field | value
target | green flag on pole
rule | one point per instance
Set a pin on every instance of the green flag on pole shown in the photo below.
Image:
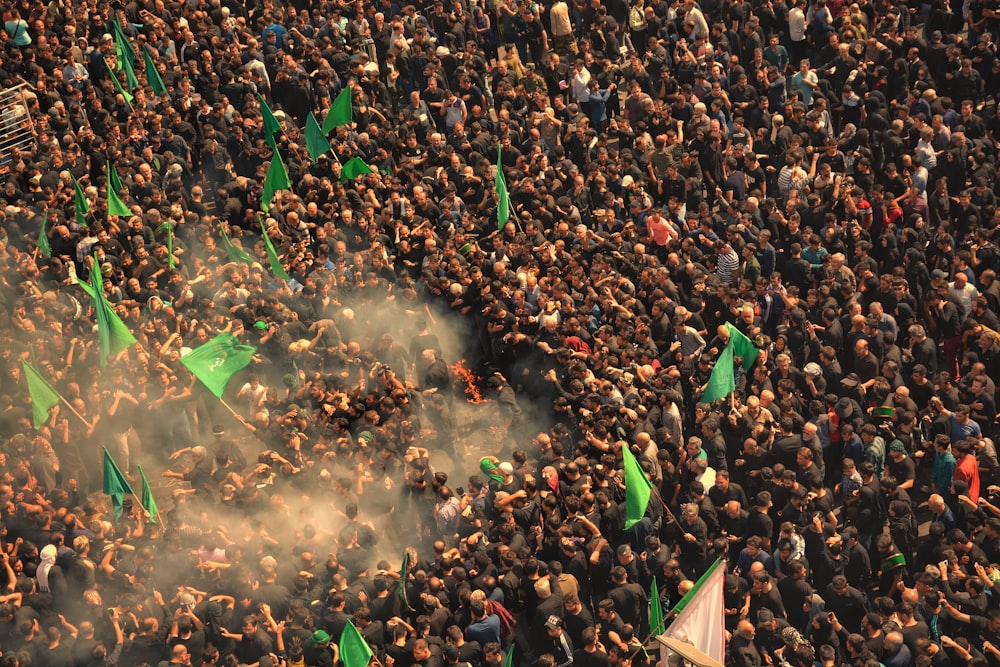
(236, 254)
(43, 396)
(115, 204)
(340, 112)
(404, 570)
(80, 204)
(123, 47)
(148, 502)
(742, 347)
(272, 255)
(153, 77)
(131, 80)
(722, 380)
(113, 335)
(316, 141)
(43, 240)
(354, 650)
(655, 608)
(115, 484)
(353, 168)
(277, 179)
(637, 488)
(118, 84)
(271, 124)
(503, 197)
(217, 361)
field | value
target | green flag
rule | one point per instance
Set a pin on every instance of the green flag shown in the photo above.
(131, 80)
(43, 240)
(340, 112)
(509, 660)
(743, 347)
(171, 262)
(637, 488)
(118, 84)
(236, 254)
(404, 570)
(115, 204)
(148, 502)
(354, 650)
(503, 197)
(271, 124)
(218, 360)
(80, 204)
(722, 381)
(43, 396)
(353, 168)
(153, 77)
(655, 609)
(112, 333)
(123, 47)
(277, 179)
(115, 484)
(316, 141)
(272, 255)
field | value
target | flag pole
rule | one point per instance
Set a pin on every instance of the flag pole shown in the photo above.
(73, 410)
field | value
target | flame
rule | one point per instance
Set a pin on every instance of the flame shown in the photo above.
(462, 372)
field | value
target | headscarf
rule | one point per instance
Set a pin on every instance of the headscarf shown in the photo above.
(48, 554)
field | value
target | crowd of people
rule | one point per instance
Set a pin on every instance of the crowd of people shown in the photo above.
(452, 374)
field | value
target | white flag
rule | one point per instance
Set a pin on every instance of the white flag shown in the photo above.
(701, 615)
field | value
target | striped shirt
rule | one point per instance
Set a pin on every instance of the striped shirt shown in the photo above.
(727, 265)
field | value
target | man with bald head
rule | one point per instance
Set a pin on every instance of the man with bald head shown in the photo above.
(742, 647)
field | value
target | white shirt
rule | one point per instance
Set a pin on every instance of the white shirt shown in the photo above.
(796, 24)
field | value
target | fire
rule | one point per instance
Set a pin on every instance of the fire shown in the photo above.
(462, 372)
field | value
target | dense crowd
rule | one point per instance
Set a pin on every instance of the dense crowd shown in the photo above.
(435, 382)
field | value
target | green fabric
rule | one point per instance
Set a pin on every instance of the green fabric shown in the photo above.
(404, 570)
(271, 124)
(509, 660)
(123, 47)
(722, 380)
(272, 256)
(118, 85)
(637, 488)
(339, 113)
(112, 334)
(354, 650)
(316, 141)
(489, 469)
(148, 502)
(655, 609)
(80, 204)
(114, 185)
(353, 168)
(277, 179)
(131, 80)
(742, 347)
(236, 254)
(679, 607)
(153, 77)
(43, 240)
(503, 197)
(43, 396)
(893, 562)
(115, 484)
(217, 361)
